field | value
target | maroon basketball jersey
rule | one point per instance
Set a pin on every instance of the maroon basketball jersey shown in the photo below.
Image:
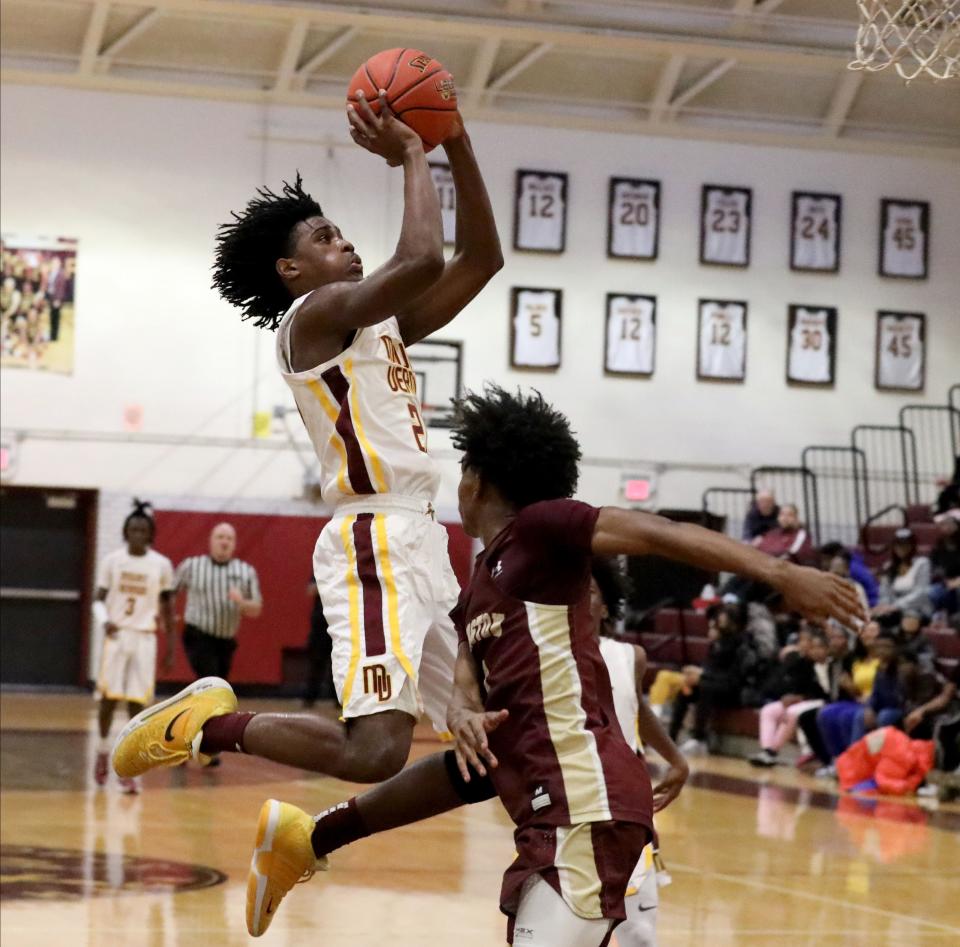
(525, 615)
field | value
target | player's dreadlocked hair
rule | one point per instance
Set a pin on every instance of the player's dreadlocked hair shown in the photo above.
(518, 443)
(140, 511)
(612, 583)
(244, 271)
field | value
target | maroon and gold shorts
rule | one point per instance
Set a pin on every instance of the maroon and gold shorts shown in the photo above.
(589, 865)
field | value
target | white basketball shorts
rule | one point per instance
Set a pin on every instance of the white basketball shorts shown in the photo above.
(128, 666)
(387, 588)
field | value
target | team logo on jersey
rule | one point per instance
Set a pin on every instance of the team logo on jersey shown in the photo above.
(420, 63)
(487, 625)
(376, 680)
(35, 873)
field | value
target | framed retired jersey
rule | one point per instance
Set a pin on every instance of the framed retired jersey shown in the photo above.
(815, 232)
(901, 351)
(811, 345)
(904, 238)
(722, 340)
(725, 225)
(631, 335)
(535, 336)
(540, 211)
(443, 181)
(633, 219)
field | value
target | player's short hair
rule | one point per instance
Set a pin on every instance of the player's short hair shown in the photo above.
(244, 270)
(141, 511)
(518, 443)
(612, 583)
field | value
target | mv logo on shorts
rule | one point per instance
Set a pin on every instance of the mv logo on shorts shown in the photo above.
(376, 680)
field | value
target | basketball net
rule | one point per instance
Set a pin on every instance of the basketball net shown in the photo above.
(914, 36)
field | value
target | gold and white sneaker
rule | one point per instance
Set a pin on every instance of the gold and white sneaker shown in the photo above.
(169, 733)
(282, 857)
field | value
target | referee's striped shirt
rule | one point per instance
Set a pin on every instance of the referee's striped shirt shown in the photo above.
(208, 585)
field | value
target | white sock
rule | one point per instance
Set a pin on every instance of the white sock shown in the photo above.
(104, 745)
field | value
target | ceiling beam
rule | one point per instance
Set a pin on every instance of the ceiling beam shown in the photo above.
(844, 95)
(323, 54)
(93, 37)
(520, 66)
(666, 86)
(480, 72)
(291, 54)
(695, 88)
(138, 28)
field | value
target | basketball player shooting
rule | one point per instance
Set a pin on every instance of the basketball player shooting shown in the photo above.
(538, 726)
(381, 563)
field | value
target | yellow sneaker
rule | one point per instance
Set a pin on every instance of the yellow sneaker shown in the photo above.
(169, 733)
(283, 856)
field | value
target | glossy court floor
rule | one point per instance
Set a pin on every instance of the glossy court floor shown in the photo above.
(771, 858)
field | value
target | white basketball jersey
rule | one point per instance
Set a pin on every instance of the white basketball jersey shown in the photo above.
(633, 220)
(540, 212)
(815, 224)
(536, 330)
(900, 351)
(904, 240)
(133, 585)
(631, 335)
(443, 181)
(723, 340)
(620, 659)
(810, 346)
(362, 412)
(726, 227)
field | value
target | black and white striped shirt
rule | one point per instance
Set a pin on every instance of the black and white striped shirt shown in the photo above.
(208, 585)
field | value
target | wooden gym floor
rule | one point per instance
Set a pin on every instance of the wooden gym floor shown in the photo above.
(768, 858)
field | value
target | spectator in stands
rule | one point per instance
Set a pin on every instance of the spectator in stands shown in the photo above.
(800, 683)
(858, 569)
(788, 539)
(840, 686)
(949, 497)
(904, 580)
(913, 643)
(843, 723)
(946, 730)
(730, 663)
(925, 695)
(945, 565)
(761, 517)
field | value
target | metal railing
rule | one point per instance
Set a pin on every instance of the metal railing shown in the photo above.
(842, 489)
(936, 431)
(890, 453)
(730, 503)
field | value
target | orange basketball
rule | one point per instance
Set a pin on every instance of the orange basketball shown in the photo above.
(419, 91)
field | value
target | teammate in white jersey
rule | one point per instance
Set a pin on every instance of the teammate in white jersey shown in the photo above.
(381, 563)
(134, 584)
(626, 664)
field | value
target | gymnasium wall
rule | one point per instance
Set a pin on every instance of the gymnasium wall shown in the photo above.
(143, 182)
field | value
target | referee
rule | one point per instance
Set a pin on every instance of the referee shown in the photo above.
(220, 591)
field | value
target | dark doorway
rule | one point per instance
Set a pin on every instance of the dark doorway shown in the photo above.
(47, 540)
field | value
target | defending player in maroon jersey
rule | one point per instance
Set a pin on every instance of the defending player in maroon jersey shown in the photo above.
(531, 701)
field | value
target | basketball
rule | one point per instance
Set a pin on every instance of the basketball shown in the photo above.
(419, 90)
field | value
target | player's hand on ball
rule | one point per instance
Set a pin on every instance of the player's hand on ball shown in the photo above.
(819, 596)
(470, 729)
(381, 134)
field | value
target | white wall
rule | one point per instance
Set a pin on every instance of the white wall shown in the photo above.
(143, 183)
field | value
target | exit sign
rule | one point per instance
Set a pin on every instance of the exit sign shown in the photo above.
(639, 488)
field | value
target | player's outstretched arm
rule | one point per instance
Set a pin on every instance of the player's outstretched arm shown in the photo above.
(816, 595)
(476, 255)
(417, 261)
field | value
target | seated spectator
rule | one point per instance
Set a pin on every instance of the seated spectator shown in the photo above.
(949, 496)
(904, 580)
(840, 686)
(788, 539)
(913, 643)
(859, 571)
(926, 695)
(945, 565)
(761, 517)
(799, 684)
(843, 723)
(730, 662)
(946, 730)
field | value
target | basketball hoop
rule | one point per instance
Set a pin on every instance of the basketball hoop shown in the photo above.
(914, 36)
